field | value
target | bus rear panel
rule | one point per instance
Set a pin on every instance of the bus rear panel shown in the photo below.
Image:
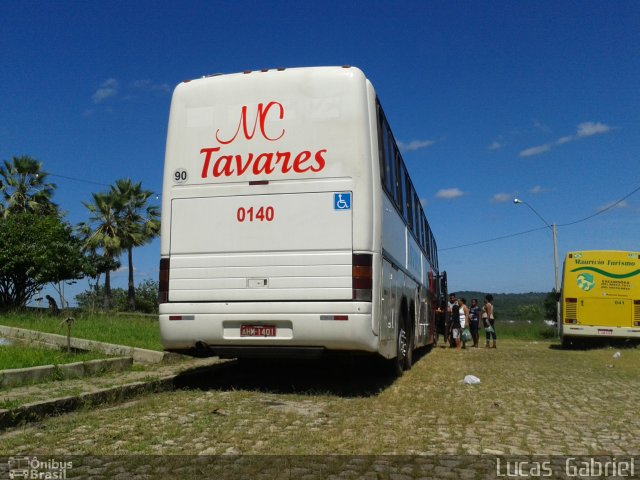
(601, 295)
(280, 233)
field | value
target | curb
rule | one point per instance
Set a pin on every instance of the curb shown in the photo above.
(139, 355)
(17, 376)
(32, 412)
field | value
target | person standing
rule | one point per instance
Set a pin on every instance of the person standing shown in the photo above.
(474, 321)
(450, 317)
(463, 313)
(53, 306)
(455, 329)
(489, 326)
(441, 322)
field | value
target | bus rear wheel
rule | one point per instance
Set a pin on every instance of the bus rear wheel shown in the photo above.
(404, 355)
(408, 358)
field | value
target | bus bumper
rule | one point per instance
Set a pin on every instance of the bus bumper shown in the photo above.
(307, 329)
(569, 330)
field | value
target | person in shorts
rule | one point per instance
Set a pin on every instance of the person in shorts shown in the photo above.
(489, 321)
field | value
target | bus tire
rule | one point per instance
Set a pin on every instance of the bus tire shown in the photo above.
(408, 358)
(399, 363)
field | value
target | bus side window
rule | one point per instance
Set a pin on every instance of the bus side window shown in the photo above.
(389, 160)
(417, 214)
(406, 195)
(381, 147)
(398, 174)
(423, 230)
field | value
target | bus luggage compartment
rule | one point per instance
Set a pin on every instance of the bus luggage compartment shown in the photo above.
(260, 248)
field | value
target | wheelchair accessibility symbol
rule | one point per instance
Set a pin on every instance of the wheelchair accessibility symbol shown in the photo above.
(342, 201)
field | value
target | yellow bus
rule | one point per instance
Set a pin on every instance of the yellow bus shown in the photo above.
(600, 295)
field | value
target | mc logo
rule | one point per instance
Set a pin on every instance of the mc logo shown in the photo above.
(261, 117)
(218, 163)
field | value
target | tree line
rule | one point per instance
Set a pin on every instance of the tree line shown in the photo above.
(39, 247)
(536, 306)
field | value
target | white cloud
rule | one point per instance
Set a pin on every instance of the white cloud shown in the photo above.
(538, 189)
(622, 204)
(149, 85)
(449, 193)
(502, 198)
(495, 146)
(424, 202)
(587, 129)
(415, 145)
(530, 152)
(108, 89)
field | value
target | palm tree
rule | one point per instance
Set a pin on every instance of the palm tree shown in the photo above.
(138, 223)
(101, 232)
(25, 188)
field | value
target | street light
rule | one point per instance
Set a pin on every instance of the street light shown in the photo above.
(552, 227)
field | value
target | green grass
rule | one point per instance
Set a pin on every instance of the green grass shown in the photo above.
(134, 331)
(534, 398)
(23, 356)
(522, 330)
(143, 331)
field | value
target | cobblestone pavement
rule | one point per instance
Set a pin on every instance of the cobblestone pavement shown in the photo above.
(533, 399)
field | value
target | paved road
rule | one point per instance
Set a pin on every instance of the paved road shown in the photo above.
(533, 398)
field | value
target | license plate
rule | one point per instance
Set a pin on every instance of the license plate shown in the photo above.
(605, 332)
(257, 330)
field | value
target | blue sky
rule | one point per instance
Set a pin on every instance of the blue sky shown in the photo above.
(490, 100)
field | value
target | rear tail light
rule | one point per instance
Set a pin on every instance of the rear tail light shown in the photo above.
(334, 317)
(362, 275)
(163, 288)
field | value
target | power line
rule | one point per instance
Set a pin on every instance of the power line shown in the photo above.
(77, 179)
(493, 239)
(599, 212)
(82, 180)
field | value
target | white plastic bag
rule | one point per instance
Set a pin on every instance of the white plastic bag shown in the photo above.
(471, 380)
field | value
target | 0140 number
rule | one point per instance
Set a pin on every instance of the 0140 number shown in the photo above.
(262, 214)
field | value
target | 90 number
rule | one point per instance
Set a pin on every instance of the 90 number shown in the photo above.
(180, 175)
(262, 214)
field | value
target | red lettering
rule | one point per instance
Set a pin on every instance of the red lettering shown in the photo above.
(266, 167)
(263, 214)
(207, 159)
(265, 163)
(261, 118)
(243, 168)
(223, 166)
(319, 160)
(287, 157)
(302, 157)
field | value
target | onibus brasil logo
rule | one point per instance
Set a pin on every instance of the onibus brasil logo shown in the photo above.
(585, 281)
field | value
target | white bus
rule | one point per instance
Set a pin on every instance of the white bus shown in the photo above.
(289, 223)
